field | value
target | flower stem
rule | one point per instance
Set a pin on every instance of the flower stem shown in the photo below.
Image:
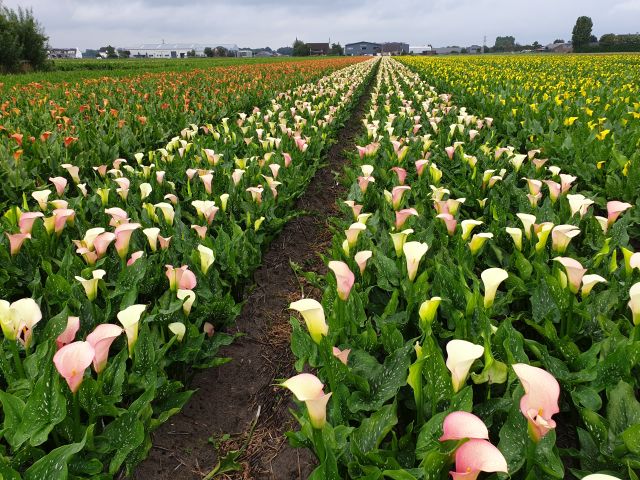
(16, 358)
(76, 417)
(318, 443)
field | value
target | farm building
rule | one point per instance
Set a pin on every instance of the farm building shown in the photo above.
(319, 48)
(395, 48)
(566, 47)
(422, 50)
(174, 50)
(244, 53)
(362, 48)
(474, 49)
(65, 53)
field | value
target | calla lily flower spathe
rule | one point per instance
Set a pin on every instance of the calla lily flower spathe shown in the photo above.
(460, 356)
(634, 303)
(307, 388)
(574, 270)
(344, 278)
(492, 278)
(188, 297)
(399, 240)
(361, 259)
(178, 329)
(540, 401)
(130, 318)
(72, 360)
(477, 456)
(18, 319)
(614, 209)
(101, 339)
(313, 314)
(206, 258)
(342, 355)
(413, 252)
(69, 333)
(461, 425)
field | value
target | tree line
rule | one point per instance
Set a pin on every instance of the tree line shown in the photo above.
(23, 43)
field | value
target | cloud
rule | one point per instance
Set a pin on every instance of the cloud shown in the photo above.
(94, 23)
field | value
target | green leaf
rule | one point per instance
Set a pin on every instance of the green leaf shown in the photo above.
(53, 466)
(45, 408)
(631, 438)
(12, 407)
(623, 409)
(372, 430)
(513, 435)
(123, 435)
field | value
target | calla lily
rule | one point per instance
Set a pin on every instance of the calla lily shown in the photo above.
(460, 356)
(206, 181)
(180, 278)
(540, 401)
(344, 278)
(364, 217)
(256, 193)
(313, 314)
(399, 240)
(307, 388)
(588, 282)
(123, 237)
(477, 456)
(574, 270)
(72, 360)
(152, 236)
(599, 476)
(188, 297)
(467, 227)
(528, 221)
(542, 232)
(27, 219)
(614, 209)
(561, 235)
(361, 259)
(118, 216)
(403, 215)
(353, 232)
(206, 258)
(178, 329)
(516, 235)
(60, 183)
(208, 329)
(534, 185)
(449, 221)
(634, 303)
(604, 223)
(355, 208)
(397, 194)
(145, 190)
(101, 339)
(367, 170)
(401, 173)
(130, 318)
(566, 181)
(555, 189)
(461, 425)
(134, 257)
(579, 204)
(102, 242)
(91, 286)
(478, 241)
(420, 164)
(15, 242)
(342, 355)
(69, 333)
(428, 310)
(167, 211)
(42, 197)
(492, 278)
(414, 251)
(18, 319)
(224, 199)
(304, 386)
(61, 216)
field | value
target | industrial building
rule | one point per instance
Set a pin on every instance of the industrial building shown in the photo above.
(175, 50)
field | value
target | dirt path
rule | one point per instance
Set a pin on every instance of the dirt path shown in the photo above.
(228, 397)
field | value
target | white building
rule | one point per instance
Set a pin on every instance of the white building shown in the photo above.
(174, 50)
(421, 50)
(245, 53)
(65, 53)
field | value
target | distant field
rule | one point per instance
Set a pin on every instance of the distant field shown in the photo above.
(70, 70)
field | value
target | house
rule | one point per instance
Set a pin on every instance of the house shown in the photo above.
(447, 50)
(244, 53)
(422, 50)
(395, 48)
(64, 53)
(566, 47)
(474, 49)
(318, 48)
(264, 54)
(175, 50)
(362, 48)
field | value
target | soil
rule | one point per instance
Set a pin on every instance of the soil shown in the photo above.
(228, 397)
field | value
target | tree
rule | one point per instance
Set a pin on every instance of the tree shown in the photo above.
(581, 32)
(536, 44)
(220, 52)
(301, 49)
(593, 39)
(22, 39)
(208, 52)
(505, 44)
(191, 53)
(124, 53)
(558, 40)
(336, 49)
(285, 51)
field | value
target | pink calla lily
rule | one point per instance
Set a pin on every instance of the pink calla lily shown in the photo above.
(101, 339)
(15, 242)
(477, 456)
(461, 425)
(72, 360)
(27, 219)
(344, 278)
(614, 209)
(540, 401)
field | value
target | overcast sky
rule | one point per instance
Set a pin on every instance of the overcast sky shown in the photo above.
(275, 23)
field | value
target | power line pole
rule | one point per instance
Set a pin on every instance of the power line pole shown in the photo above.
(484, 43)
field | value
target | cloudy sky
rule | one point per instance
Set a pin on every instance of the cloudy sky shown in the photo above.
(275, 23)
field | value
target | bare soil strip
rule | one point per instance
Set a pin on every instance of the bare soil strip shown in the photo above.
(228, 397)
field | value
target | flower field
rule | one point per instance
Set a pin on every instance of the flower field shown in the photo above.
(119, 277)
(94, 120)
(481, 313)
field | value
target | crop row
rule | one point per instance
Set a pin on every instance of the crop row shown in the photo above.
(482, 313)
(93, 121)
(117, 279)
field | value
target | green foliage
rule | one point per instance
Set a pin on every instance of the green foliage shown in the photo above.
(23, 43)
(581, 32)
(301, 49)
